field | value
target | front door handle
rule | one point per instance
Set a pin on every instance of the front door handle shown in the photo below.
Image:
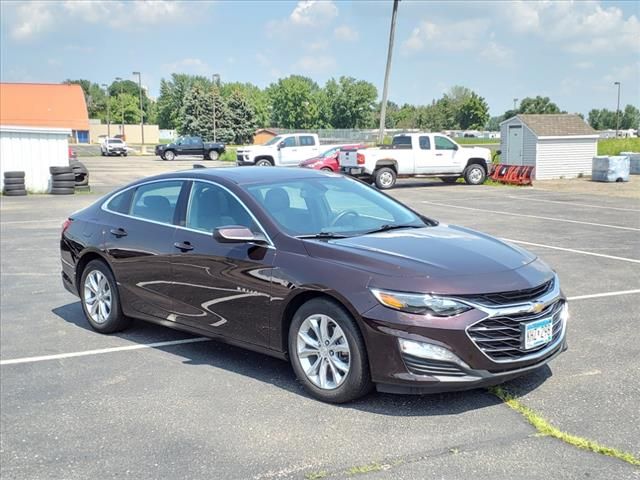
(438, 154)
(118, 232)
(183, 246)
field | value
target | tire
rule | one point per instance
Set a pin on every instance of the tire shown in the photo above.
(357, 380)
(9, 187)
(59, 170)
(169, 155)
(475, 174)
(263, 162)
(63, 184)
(63, 177)
(102, 153)
(213, 155)
(14, 174)
(125, 154)
(62, 191)
(326, 169)
(75, 165)
(449, 179)
(111, 319)
(385, 178)
(15, 193)
(14, 181)
(81, 180)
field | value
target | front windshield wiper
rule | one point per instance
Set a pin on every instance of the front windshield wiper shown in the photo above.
(322, 235)
(391, 226)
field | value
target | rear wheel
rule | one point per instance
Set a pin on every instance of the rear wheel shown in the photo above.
(475, 174)
(213, 155)
(385, 178)
(326, 169)
(100, 298)
(328, 353)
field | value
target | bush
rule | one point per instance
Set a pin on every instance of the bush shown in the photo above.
(613, 146)
(229, 155)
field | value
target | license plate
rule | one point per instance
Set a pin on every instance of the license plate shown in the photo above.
(355, 171)
(538, 333)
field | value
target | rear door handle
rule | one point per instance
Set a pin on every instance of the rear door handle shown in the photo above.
(184, 246)
(438, 154)
(118, 232)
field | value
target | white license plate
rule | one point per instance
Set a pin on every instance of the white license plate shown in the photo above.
(538, 333)
(355, 171)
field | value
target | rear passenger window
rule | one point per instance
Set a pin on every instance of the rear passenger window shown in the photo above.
(211, 206)
(121, 203)
(307, 141)
(425, 143)
(157, 201)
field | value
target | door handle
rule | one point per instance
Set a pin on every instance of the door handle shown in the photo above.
(184, 246)
(438, 154)
(118, 232)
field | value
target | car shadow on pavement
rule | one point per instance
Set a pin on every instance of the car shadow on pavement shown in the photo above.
(430, 184)
(278, 373)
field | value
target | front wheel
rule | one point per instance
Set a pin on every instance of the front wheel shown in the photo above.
(475, 174)
(213, 155)
(385, 178)
(169, 155)
(328, 353)
(264, 163)
(100, 298)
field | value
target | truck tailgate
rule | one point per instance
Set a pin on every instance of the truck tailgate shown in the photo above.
(348, 158)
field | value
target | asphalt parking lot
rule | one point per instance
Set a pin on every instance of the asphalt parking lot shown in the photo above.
(155, 403)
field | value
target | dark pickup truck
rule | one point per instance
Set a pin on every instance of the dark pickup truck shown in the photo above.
(190, 146)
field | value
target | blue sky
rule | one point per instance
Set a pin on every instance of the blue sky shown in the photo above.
(570, 51)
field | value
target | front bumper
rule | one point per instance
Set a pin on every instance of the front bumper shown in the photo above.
(116, 151)
(244, 163)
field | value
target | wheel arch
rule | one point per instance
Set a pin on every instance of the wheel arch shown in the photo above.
(478, 161)
(387, 162)
(83, 261)
(265, 157)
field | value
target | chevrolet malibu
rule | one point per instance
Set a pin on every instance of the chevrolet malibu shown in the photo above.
(355, 289)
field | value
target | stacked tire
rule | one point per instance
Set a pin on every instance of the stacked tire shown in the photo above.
(62, 181)
(14, 184)
(81, 176)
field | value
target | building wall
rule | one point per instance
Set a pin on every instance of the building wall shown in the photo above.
(565, 157)
(33, 151)
(528, 142)
(262, 137)
(132, 133)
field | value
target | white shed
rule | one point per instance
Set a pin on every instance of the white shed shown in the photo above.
(33, 150)
(557, 145)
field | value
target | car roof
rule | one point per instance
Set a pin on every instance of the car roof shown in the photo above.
(247, 175)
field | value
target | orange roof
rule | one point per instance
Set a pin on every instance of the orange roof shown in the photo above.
(43, 105)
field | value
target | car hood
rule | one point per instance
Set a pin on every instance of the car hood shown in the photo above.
(256, 149)
(480, 152)
(432, 252)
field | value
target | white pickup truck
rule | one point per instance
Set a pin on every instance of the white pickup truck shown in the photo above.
(286, 150)
(424, 154)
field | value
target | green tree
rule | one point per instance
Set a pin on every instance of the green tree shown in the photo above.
(257, 99)
(172, 96)
(197, 113)
(124, 106)
(473, 113)
(351, 102)
(630, 118)
(538, 105)
(295, 102)
(493, 124)
(602, 119)
(241, 117)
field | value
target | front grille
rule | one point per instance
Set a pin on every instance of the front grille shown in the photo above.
(240, 157)
(422, 366)
(513, 297)
(501, 338)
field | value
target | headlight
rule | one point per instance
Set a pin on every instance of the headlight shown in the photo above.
(420, 303)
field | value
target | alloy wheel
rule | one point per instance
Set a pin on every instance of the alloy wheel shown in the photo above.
(97, 296)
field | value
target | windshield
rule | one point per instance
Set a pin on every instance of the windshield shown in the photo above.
(115, 140)
(330, 152)
(273, 141)
(335, 205)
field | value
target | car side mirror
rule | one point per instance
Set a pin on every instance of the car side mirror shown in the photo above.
(499, 152)
(455, 147)
(280, 145)
(237, 234)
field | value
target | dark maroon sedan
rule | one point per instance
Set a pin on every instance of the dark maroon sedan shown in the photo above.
(328, 160)
(351, 286)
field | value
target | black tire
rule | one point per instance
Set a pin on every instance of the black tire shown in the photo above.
(326, 169)
(475, 174)
(59, 170)
(169, 155)
(358, 379)
(125, 154)
(102, 153)
(115, 321)
(63, 191)
(78, 167)
(15, 193)
(9, 187)
(63, 184)
(14, 174)
(14, 181)
(63, 177)
(385, 178)
(449, 179)
(81, 180)
(264, 162)
(213, 155)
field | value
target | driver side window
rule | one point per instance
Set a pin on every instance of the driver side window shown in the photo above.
(289, 142)
(443, 143)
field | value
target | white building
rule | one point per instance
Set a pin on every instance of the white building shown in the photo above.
(557, 145)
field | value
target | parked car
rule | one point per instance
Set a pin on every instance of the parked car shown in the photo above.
(281, 151)
(350, 285)
(328, 160)
(113, 146)
(191, 146)
(427, 154)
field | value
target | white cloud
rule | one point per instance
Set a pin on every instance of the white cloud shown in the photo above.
(188, 65)
(318, 46)
(316, 64)
(32, 19)
(313, 12)
(346, 33)
(453, 36)
(496, 53)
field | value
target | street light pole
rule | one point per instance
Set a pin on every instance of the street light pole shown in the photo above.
(617, 109)
(106, 87)
(118, 79)
(383, 107)
(515, 102)
(141, 111)
(216, 82)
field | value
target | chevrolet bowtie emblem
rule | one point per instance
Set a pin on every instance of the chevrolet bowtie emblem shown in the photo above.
(537, 307)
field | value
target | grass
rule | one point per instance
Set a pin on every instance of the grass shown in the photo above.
(545, 428)
(476, 141)
(229, 155)
(371, 467)
(613, 146)
(316, 475)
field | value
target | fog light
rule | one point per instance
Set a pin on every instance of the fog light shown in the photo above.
(564, 315)
(430, 351)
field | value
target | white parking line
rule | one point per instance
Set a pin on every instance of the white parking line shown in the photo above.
(553, 219)
(600, 295)
(519, 197)
(100, 351)
(572, 250)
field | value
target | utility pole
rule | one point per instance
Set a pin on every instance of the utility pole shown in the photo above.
(515, 102)
(106, 87)
(216, 83)
(141, 111)
(617, 109)
(118, 79)
(383, 106)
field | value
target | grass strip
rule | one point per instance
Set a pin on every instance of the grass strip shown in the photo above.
(545, 428)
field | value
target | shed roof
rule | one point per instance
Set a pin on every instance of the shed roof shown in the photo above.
(43, 105)
(557, 125)
(273, 131)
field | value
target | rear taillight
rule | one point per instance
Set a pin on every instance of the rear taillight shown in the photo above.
(360, 159)
(66, 224)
